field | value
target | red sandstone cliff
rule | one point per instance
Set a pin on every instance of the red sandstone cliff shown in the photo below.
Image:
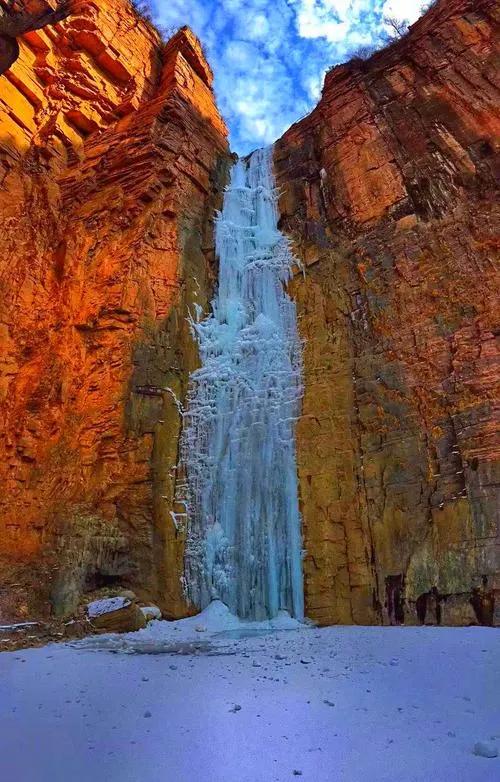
(18, 17)
(112, 159)
(389, 195)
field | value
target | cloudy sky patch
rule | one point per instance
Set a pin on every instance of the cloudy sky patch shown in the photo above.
(269, 57)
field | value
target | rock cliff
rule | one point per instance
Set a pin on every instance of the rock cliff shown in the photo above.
(112, 160)
(389, 196)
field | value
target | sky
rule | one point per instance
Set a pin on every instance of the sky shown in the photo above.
(269, 57)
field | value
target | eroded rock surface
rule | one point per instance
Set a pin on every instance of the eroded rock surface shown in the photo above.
(389, 196)
(113, 157)
(112, 160)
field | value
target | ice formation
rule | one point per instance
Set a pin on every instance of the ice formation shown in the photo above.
(238, 447)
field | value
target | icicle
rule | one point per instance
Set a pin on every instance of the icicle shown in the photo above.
(238, 445)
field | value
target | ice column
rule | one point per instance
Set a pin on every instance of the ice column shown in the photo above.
(238, 446)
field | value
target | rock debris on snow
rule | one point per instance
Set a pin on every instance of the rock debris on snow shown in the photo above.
(194, 736)
(486, 750)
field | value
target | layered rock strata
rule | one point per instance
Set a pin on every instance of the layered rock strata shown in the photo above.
(112, 160)
(389, 196)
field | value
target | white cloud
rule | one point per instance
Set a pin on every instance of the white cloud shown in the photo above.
(330, 19)
(404, 9)
(338, 20)
(269, 57)
(322, 19)
(259, 26)
(241, 54)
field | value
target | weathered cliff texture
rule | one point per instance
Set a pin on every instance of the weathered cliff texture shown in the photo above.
(388, 194)
(23, 16)
(112, 160)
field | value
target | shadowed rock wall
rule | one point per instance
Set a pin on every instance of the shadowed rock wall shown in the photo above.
(389, 196)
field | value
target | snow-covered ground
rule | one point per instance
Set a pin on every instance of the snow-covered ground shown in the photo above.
(209, 702)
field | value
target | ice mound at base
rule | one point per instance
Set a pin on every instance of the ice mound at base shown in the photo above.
(215, 620)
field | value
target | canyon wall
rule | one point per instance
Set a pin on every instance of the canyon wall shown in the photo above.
(388, 193)
(113, 157)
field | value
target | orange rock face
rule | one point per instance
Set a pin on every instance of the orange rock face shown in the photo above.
(389, 195)
(112, 160)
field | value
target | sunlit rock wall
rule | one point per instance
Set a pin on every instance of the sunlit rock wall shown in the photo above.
(388, 194)
(113, 157)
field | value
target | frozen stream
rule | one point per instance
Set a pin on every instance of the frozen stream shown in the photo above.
(341, 704)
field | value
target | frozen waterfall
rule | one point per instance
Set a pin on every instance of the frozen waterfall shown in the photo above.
(238, 446)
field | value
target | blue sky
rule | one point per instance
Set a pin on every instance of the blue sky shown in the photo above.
(269, 57)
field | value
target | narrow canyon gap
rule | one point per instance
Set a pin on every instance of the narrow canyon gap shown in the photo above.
(238, 446)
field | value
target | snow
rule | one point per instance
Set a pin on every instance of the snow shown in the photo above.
(214, 620)
(18, 626)
(106, 606)
(238, 445)
(151, 612)
(371, 704)
(485, 749)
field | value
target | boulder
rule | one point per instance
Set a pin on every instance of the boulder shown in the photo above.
(128, 594)
(116, 615)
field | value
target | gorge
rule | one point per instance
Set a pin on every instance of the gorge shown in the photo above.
(113, 161)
